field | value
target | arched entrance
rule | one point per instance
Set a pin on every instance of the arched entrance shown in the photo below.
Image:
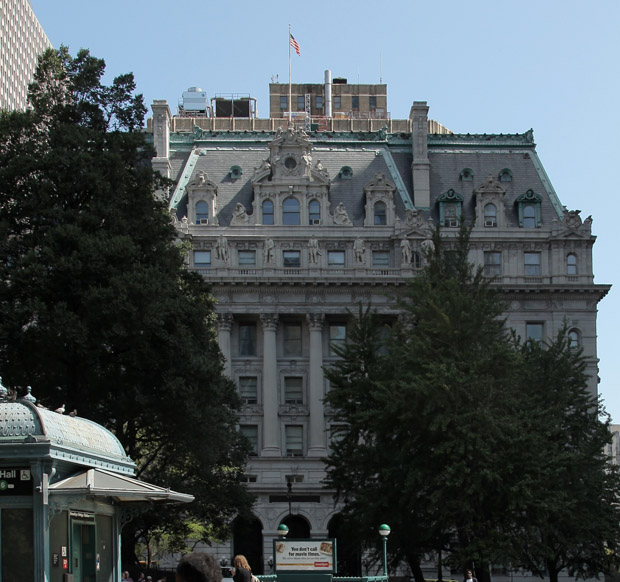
(298, 527)
(248, 540)
(348, 549)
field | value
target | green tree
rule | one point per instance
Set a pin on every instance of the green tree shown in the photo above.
(96, 309)
(571, 518)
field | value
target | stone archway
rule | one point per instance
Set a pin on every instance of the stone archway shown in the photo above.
(348, 550)
(248, 540)
(298, 527)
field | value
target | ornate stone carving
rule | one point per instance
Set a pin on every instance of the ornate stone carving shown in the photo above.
(571, 219)
(221, 248)
(315, 321)
(359, 250)
(269, 321)
(224, 321)
(405, 249)
(268, 251)
(240, 216)
(313, 250)
(341, 217)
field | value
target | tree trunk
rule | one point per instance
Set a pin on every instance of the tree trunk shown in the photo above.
(414, 563)
(553, 572)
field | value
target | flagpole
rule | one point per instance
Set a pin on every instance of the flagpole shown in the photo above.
(289, 77)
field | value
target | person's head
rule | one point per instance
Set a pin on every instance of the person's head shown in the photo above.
(469, 574)
(239, 561)
(198, 567)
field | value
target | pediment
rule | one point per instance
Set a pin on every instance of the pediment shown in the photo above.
(202, 182)
(490, 185)
(379, 183)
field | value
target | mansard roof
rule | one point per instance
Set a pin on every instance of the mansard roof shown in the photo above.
(369, 153)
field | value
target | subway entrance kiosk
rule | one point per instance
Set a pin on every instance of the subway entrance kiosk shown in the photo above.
(66, 489)
(304, 560)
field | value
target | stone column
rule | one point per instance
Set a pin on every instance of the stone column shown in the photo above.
(271, 424)
(317, 439)
(161, 137)
(224, 324)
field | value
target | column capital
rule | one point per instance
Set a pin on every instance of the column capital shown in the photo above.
(224, 321)
(269, 321)
(315, 321)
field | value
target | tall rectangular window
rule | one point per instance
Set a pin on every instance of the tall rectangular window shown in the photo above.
(335, 258)
(534, 331)
(492, 263)
(202, 259)
(337, 102)
(318, 102)
(355, 102)
(301, 103)
(372, 102)
(292, 339)
(291, 258)
(250, 432)
(247, 258)
(532, 264)
(283, 102)
(293, 390)
(248, 389)
(294, 436)
(380, 258)
(337, 337)
(247, 339)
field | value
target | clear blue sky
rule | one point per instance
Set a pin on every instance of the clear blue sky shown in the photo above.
(483, 66)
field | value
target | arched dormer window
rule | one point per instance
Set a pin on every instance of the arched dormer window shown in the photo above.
(505, 175)
(467, 175)
(314, 212)
(346, 173)
(574, 341)
(380, 213)
(571, 264)
(529, 209)
(202, 212)
(235, 172)
(267, 212)
(490, 216)
(290, 211)
(450, 205)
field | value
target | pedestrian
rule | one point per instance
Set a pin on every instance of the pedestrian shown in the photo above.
(469, 577)
(198, 567)
(243, 572)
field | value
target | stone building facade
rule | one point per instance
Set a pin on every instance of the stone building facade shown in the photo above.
(292, 230)
(22, 39)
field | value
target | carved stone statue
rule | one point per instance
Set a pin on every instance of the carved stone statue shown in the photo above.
(571, 218)
(428, 246)
(268, 251)
(313, 250)
(340, 215)
(359, 250)
(221, 248)
(240, 216)
(405, 249)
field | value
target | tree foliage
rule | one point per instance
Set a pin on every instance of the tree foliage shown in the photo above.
(461, 438)
(96, 310)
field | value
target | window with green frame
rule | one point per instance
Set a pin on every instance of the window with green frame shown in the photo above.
(529, 206)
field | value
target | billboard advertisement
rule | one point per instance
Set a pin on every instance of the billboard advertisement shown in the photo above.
(304, 555)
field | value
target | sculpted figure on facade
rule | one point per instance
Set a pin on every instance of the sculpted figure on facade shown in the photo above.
(221, 248)
(359, 250)
(268, 251)
(240, 216)
(313, 250)
(571, 219)
(340, 215)
(405, 249)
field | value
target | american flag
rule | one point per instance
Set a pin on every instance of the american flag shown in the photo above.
(294, 44)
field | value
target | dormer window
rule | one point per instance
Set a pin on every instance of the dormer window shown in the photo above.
(380, 213)
(467, 175)
(267, 212)
(505, 175)
(235, 172)
(450, 205)
(346, 173)
(202, 212)
(490, 216)
(290, 211)
(314, 212)
(529, 209)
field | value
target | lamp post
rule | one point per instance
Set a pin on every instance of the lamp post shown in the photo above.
(282, 530)
(384, 532)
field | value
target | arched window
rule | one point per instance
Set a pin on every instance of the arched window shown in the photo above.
(416, 260)
(529, 216)
(290, 211)
(380, 211)
(267, 212)
(202, 212)
(490, 216)
(314, 212)
(573, 339)
(571, 264)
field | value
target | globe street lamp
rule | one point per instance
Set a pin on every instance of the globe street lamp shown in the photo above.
(283, 530)
(384, 532)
